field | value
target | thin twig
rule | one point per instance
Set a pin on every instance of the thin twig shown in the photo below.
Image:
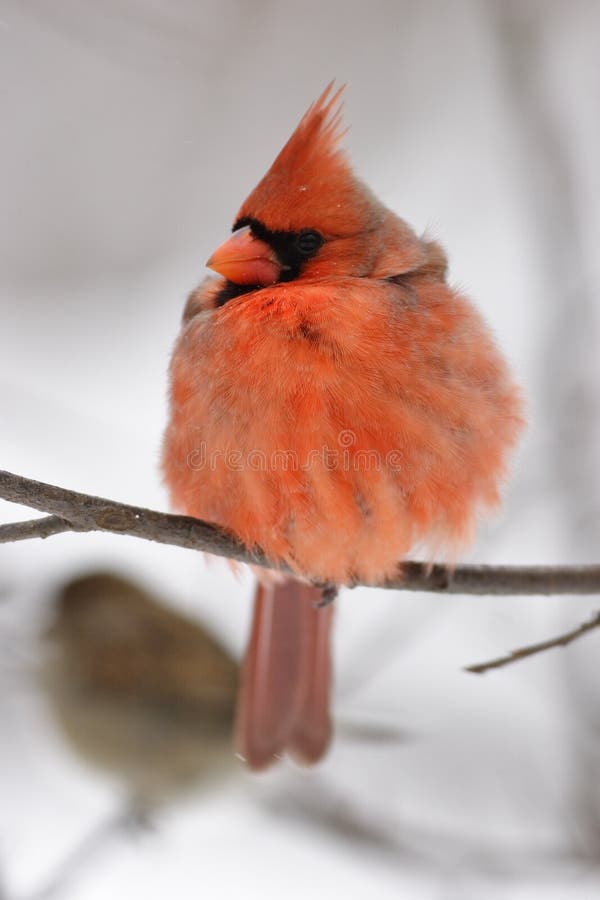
(42, 528)
(84, 512)
(522, 653)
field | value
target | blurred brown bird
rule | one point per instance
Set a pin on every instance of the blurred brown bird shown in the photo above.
(138, 689)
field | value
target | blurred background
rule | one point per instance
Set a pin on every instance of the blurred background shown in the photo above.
(132, 130)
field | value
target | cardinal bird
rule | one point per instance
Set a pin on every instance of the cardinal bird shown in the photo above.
(335, 403)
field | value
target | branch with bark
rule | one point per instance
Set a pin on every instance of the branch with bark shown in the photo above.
(70, 511)
(563, 640)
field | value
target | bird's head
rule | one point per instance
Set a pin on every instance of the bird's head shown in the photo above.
(311, 218)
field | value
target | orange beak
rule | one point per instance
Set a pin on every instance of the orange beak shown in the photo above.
(244, 259)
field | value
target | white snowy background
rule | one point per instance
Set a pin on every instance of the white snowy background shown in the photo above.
(131, 131)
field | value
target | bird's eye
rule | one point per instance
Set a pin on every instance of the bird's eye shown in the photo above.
(308, 242)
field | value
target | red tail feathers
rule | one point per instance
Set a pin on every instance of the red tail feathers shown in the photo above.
(283, 705)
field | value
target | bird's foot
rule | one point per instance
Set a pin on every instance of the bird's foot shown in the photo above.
(328, 594)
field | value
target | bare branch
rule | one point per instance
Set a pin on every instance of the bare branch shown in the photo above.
(561, 641)
(42, 528)
(88, 513)
(498, 580)
(70, 510)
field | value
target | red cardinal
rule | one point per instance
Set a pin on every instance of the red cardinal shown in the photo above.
(334, 402)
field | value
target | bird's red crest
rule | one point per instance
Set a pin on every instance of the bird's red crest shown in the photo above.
(317, 136)
(308, 173)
